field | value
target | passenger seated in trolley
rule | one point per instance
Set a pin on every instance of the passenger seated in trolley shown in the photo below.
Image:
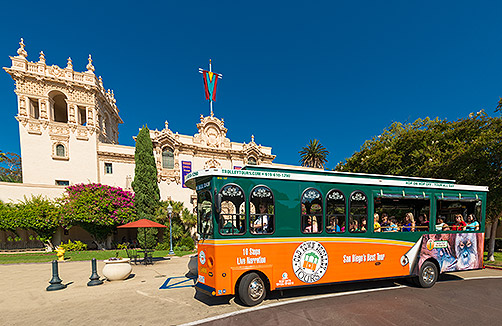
(441, 225)
(393, 227)
(385, 223)
(423, 223)
(376, 225)
(311, 225)
(229, 226)
(472, 225)
(333, 226)
(260, 224)
(410, 223)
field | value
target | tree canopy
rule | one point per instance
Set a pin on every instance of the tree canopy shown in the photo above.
(468, 150)
(314, 155)
(10, 167)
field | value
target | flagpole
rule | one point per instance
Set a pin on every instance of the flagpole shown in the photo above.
(218, 76)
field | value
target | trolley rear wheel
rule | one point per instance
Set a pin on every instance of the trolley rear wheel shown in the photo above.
(252, 289)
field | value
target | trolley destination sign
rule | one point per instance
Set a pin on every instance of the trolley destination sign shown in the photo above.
(333, 177)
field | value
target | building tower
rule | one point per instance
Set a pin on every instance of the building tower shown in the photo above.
(63, 115)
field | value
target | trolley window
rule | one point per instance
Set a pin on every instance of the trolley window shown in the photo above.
(262, 210)
(456, 214)
(358, 220)
(311, 214)
(232, 219)
(335, 211)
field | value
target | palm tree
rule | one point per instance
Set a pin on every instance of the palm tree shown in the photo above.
(314, 155)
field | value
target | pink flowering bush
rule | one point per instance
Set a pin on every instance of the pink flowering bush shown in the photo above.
(97, 208)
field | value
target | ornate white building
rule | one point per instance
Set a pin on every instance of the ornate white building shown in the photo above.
(68, 126)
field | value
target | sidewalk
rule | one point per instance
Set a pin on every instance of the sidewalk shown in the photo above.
(136, 301)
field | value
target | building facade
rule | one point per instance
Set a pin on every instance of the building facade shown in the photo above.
(68, 126)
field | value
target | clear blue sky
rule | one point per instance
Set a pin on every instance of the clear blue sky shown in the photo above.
(338, 71)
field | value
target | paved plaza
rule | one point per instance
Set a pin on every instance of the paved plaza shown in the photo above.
(139, 299)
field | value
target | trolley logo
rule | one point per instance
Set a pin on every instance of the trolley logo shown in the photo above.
(431, 244)
(310, 261)
(202, 257)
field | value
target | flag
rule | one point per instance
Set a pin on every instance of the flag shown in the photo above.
(210, 81)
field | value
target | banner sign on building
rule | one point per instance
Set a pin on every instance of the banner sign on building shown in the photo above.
(186, 168)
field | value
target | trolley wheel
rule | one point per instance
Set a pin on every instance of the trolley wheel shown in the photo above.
(252, 289)
(428, 274)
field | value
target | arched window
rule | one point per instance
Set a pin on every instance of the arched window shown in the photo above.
(262, 210)
(251, 161)
(311, 214)
(167, 158)
(335, 211)
(233, 210)
(60, 150)
(358, 220)
(59, 106)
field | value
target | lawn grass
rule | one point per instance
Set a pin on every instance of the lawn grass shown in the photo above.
(497, 262)
(40, 257)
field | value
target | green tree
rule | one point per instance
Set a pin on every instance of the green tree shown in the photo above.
(313, 155)
(468, 150)
(10, 167)
(146, 189)
(182, 220)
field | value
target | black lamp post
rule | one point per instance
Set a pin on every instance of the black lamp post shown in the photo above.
(170, 212)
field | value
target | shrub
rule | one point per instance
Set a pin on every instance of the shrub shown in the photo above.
(122, 246)
(97, 208)
(74, 246)
(187, 242)
(162, 246)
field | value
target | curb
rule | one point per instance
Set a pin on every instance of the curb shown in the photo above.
(493, 267)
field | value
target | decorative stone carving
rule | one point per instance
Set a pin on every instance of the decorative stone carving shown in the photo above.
(90, 67)
(34, 128)
(59, 129)
(212, 163)
(22, 106)
(21, 51)
(42, 57)
(71, 116)
(212, 133)
(69, 64)
(56, 71)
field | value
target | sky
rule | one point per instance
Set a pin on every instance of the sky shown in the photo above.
(336, 71)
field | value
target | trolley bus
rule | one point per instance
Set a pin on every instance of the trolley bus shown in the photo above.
(268, 228)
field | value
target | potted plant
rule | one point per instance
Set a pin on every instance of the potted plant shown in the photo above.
(117, 268)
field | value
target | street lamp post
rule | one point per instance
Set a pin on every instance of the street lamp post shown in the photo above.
(170, 212)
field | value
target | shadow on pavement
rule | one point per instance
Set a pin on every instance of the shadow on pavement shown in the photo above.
(302, 292)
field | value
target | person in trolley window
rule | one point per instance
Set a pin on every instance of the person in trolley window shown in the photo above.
(460, 224)
(260, 224)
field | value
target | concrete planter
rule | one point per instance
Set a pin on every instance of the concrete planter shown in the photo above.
(115, 270)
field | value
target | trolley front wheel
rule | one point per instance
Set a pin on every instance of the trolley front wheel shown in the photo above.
(428, 274)
(252, 289)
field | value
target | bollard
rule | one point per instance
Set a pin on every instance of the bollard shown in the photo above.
(94, 279)
(56, 282)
